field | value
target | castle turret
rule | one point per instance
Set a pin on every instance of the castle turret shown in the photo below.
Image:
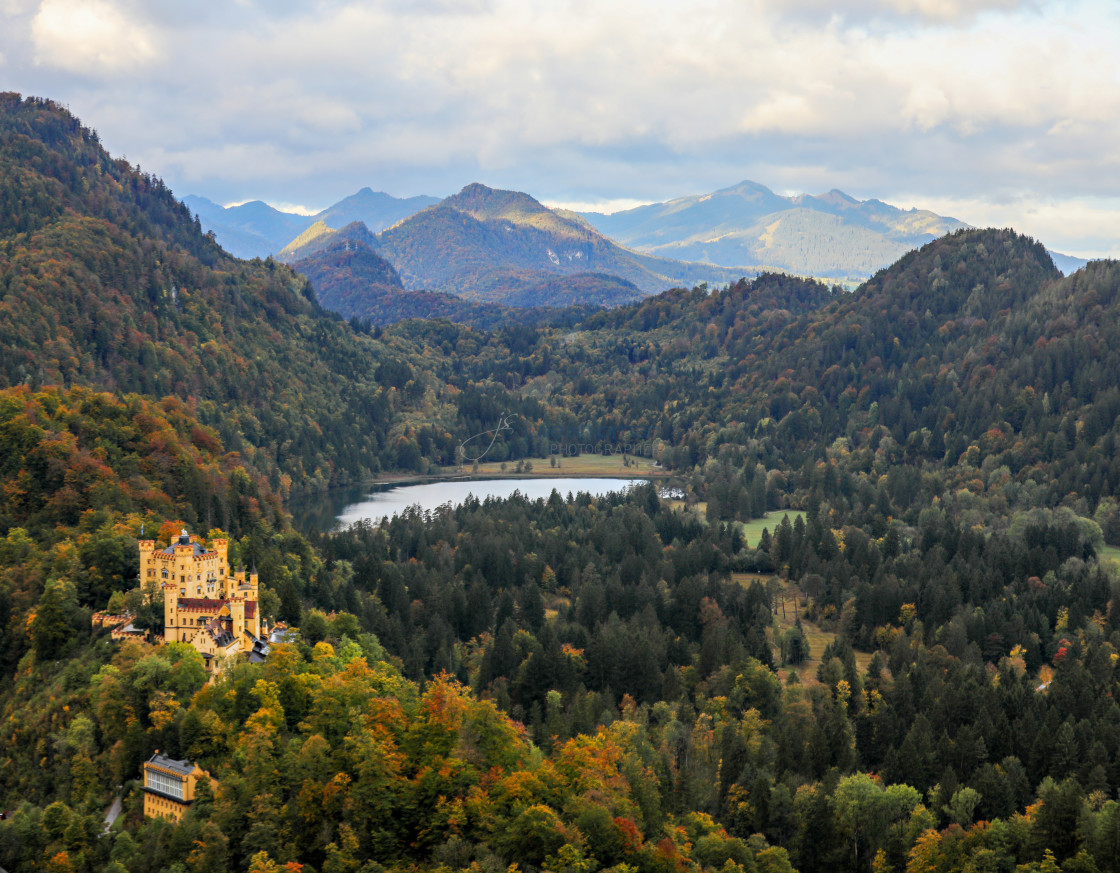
(147, 570)
(170, 601)
(237, 617)
(222, 548)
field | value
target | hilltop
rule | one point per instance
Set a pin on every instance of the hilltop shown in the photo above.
(357, 283)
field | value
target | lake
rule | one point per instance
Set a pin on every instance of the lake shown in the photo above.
(346, 507)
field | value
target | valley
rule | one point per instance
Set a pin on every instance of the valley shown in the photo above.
(914, 668)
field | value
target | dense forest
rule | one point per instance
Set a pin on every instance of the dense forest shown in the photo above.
(876, 628)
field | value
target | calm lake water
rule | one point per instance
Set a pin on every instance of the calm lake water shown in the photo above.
(324, 512)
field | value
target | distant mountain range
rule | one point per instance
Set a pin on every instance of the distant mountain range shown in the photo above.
(256, 230)
(829, 236)
(492, 246)
(504, 247)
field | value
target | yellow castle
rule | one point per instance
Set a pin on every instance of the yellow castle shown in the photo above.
(204, 604)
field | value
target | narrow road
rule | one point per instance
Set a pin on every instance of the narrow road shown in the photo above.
(113, 814)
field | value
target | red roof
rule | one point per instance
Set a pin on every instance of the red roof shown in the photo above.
(205, 603)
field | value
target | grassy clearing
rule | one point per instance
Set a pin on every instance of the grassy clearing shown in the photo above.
(789, 607)
(698, 509)
(1110, 553)
(752, 530)
(819, 640)
(580, 465)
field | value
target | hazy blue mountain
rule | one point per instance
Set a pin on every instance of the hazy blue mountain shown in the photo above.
(830, 235)
(250, 230)
(354, 281)
(1067, 263)
(375, 209)
(256, 229)
(505, 247)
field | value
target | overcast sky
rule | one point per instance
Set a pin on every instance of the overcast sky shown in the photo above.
(993, 111)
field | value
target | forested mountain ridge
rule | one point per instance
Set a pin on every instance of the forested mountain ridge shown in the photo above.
(968, 354)
(106, 281)
(501, 246)
(318, 237)
(357, 283)
(759, 347)
(54, 167)
(914, 667)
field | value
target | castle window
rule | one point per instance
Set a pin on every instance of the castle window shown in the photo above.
(165, 573)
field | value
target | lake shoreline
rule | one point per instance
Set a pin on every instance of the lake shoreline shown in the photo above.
(395, 499)
(319, 511)
(455, 476)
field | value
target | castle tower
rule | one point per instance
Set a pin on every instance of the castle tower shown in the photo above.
(147, 570)
(237, 617)
(222, 548)
(170, 601)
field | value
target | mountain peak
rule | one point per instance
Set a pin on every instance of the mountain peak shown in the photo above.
(320, 236)
(748, 190)
(484, 202)
(839, 198)
(362, 195)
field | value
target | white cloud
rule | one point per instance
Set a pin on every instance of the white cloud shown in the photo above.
(89, 36)
(291, 208)
(607, 207)
(585, 102)
(1086, 227)
(943, 11)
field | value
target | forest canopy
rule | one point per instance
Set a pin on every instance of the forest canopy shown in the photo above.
(874, 623)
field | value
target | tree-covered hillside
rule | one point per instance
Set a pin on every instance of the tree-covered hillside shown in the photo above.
(357, 283)
(874, 624)
(107, 282)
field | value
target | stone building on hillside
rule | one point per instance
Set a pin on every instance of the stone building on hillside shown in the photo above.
(169, 786)
(204, 604)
